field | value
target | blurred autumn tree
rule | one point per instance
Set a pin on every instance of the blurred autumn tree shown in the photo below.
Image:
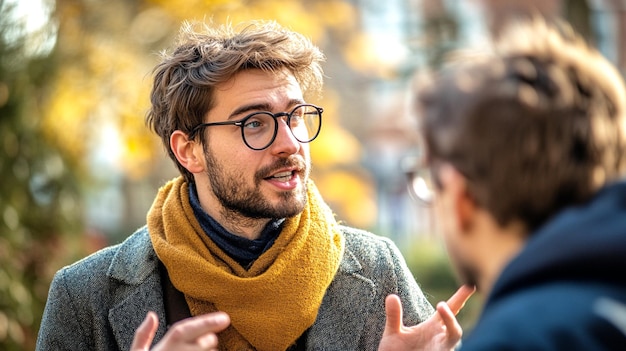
(39, 202)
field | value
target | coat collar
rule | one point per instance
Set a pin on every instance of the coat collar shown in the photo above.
(135, 267)
(135, 259)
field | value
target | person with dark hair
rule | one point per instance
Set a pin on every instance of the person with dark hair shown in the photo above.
(525, 155)
(240, 251)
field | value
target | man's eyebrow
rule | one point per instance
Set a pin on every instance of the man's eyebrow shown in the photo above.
(261, 107)
(250, 108)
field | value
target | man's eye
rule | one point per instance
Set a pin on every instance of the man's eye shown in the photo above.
(253, 124)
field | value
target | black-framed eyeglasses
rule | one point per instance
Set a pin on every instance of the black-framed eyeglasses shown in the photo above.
(423, 177)
(420, 180)
(259, 129)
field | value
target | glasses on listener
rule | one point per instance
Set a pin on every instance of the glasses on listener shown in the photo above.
(259, 129)
(420, 180)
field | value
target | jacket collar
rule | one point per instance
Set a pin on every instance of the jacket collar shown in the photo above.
(580, 243)
(135, 265)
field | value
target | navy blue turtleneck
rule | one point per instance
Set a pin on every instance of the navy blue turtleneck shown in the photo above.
(242, 250)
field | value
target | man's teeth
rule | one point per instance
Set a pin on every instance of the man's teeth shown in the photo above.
(282, 176)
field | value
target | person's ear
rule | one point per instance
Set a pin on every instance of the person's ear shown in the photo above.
(188, 152)
(462, 203)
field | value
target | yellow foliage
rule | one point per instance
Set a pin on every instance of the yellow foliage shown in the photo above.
(335, 146)
(139, 147)
(350, 195)
(336, 14)
(66, 118)
(109, 88)
(374, 56)
(310, 20)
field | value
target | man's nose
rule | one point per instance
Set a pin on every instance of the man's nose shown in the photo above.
(285, 142)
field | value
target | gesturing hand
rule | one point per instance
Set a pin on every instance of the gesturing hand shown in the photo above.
(439, 332)
(196, 333)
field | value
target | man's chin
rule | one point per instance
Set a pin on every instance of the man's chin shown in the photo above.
(293, 209)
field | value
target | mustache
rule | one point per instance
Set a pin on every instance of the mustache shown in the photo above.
(290, 162)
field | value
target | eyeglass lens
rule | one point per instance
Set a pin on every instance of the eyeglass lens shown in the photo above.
(421, 186)
(259, 129)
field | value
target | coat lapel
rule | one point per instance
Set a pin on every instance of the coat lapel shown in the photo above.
(340, 309)
(135, 267)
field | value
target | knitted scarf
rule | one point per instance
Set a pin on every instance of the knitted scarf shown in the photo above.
(273, 302)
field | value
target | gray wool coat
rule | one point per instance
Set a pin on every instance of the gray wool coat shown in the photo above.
(98, 302)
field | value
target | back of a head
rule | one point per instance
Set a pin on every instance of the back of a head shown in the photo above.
(536, 124)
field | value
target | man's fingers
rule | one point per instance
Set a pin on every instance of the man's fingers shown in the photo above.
(190, 329)
(449, 320)
(460, 297)
(145, 333)
(208, 342)
(393, 309)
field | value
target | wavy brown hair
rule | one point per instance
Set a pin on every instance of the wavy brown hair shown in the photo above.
(205, 56)
(536, 124)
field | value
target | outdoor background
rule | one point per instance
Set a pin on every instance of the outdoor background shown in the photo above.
(79, 169)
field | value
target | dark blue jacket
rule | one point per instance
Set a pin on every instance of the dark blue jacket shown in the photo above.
(566, 290)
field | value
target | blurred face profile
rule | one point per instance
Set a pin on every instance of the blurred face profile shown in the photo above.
(457, 242)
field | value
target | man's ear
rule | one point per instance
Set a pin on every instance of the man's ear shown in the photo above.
(462, 203)
(188, 152)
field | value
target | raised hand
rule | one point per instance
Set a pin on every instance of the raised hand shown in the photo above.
(439, 332)
(196, 333)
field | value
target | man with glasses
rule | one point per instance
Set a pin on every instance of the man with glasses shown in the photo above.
(242, 240)
(525, 157)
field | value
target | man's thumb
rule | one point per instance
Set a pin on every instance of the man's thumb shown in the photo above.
(393, 309)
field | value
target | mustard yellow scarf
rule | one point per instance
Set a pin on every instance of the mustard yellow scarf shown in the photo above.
(272, 303)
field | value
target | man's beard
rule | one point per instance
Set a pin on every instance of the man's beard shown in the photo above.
(237, 197)
(468, 275)
(466, 271)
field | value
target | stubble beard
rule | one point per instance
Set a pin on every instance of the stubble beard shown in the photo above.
(468, 275)
(466, 272)
(239, 200)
